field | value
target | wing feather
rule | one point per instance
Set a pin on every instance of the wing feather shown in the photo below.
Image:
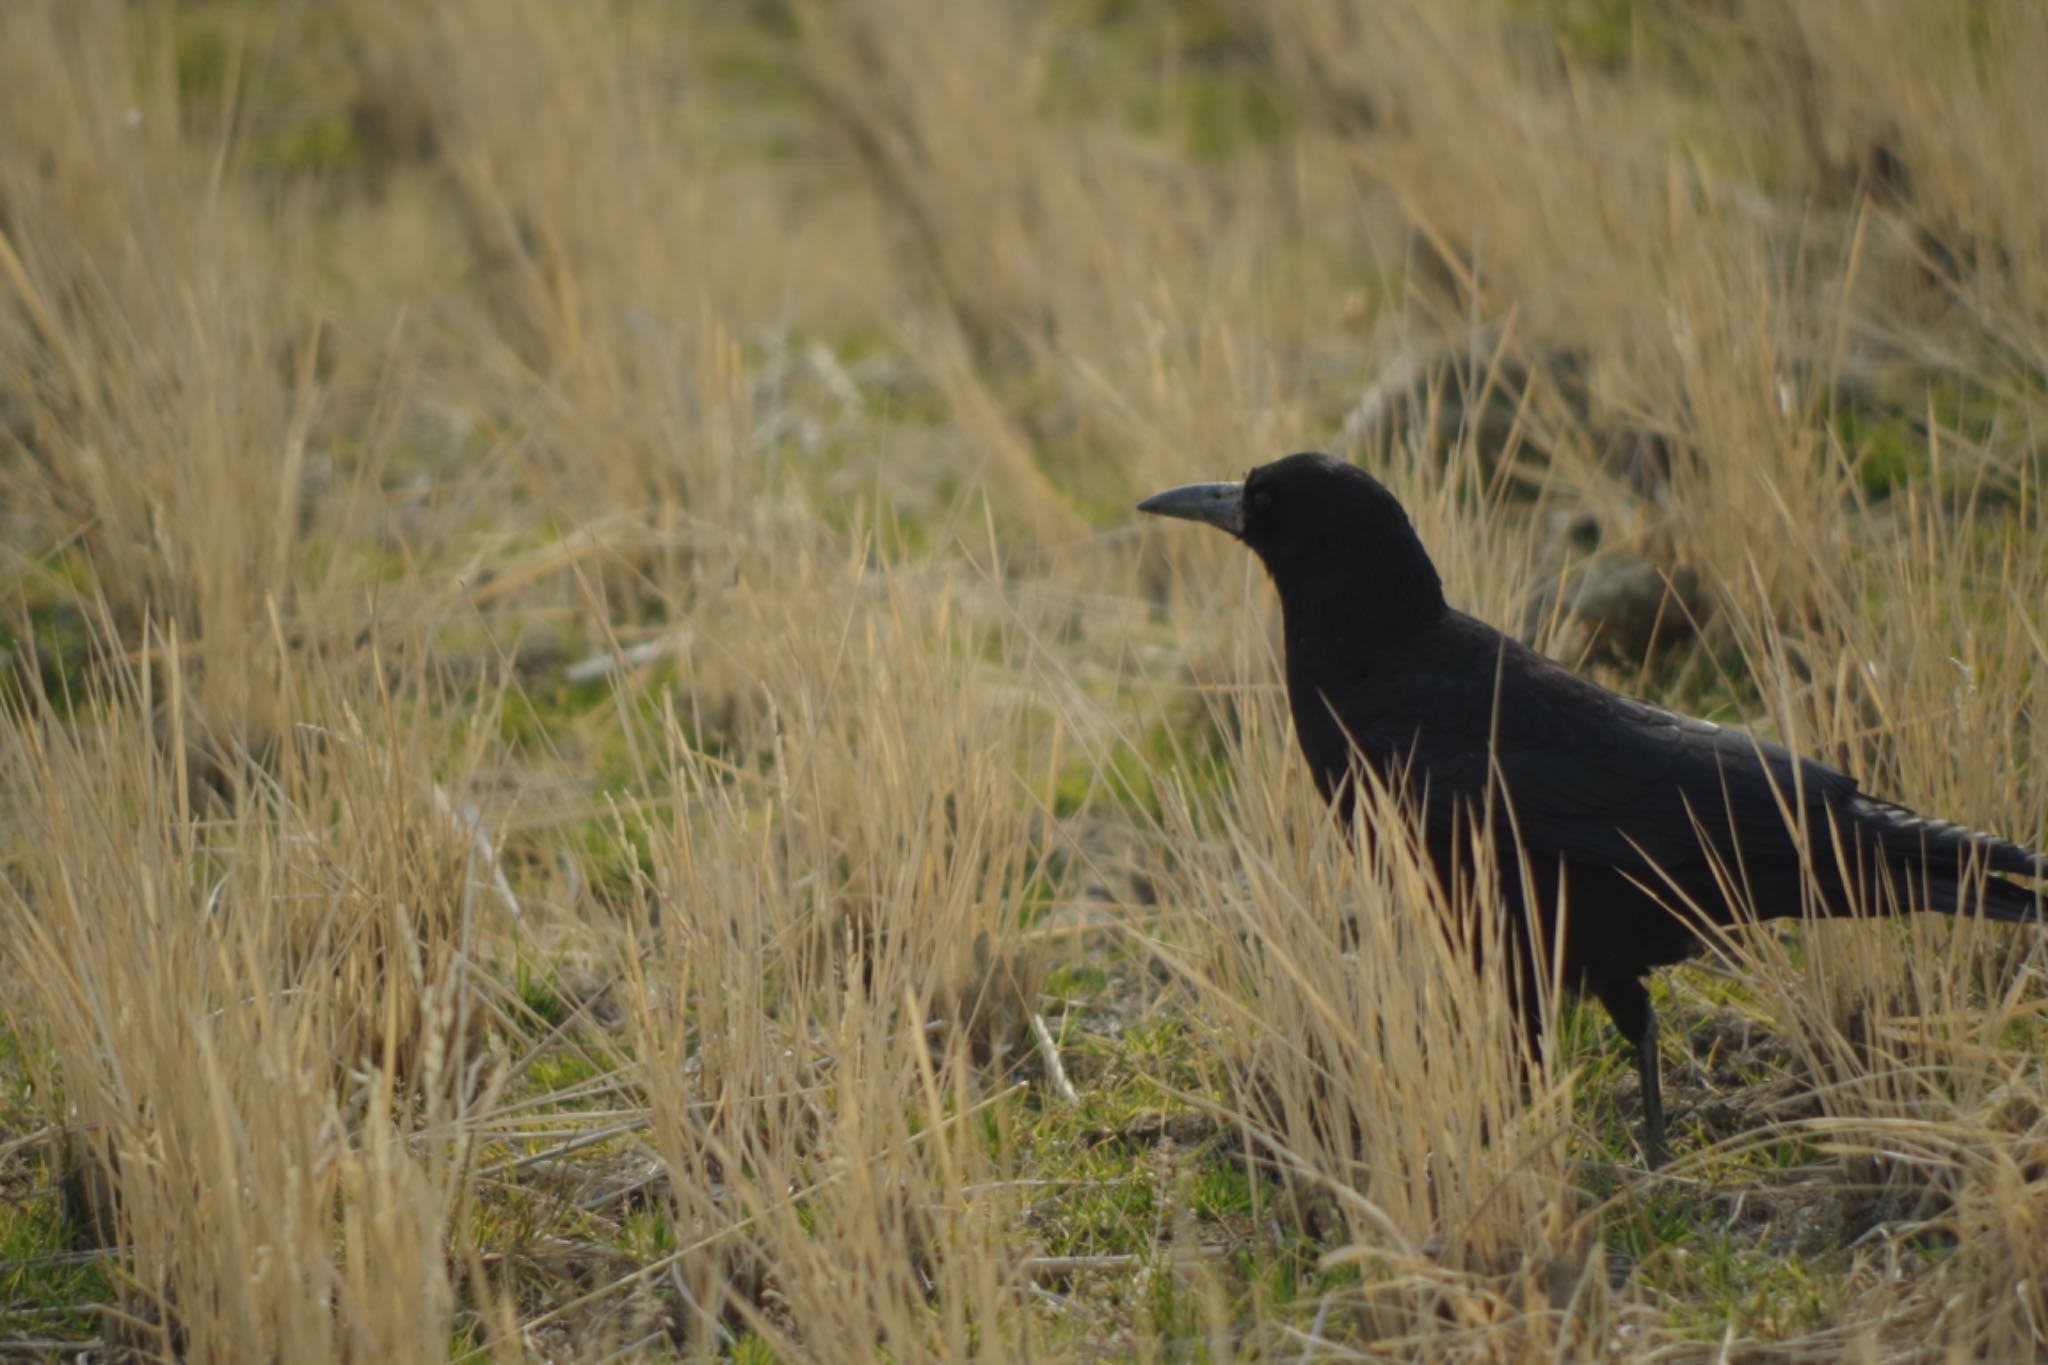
(1587, 774)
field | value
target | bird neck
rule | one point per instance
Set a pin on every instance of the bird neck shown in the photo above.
(1364, 611)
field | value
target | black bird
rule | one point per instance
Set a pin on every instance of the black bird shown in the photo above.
(1644, 818)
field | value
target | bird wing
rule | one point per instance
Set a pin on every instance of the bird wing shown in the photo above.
(1467, 715)
(1585, 773)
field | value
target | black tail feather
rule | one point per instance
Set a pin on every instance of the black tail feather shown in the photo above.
(1905, 832)
(1992, 897)
(2008, 902)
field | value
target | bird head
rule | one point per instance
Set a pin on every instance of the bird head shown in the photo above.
(1324, 528)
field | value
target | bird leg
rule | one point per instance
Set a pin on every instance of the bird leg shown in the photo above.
(1648, 1069)
(1628, 1002)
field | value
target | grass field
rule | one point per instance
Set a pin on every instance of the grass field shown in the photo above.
(595, 765)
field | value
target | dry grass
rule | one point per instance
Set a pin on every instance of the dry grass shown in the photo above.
(586, 716)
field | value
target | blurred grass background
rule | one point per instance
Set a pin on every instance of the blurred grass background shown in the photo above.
(596, 765)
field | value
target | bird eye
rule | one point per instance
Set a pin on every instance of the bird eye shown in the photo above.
(1261, 500)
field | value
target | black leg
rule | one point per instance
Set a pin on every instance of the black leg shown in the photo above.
(1650, 1070)
(1628, 1001)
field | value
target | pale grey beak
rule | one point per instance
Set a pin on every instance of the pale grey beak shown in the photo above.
(1219, 504)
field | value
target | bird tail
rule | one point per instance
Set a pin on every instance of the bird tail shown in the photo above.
(1968, 893)
(1997, 899)
(1965, 869)
(1906, 831)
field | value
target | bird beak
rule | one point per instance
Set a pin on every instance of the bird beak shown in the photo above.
(1219, 504)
